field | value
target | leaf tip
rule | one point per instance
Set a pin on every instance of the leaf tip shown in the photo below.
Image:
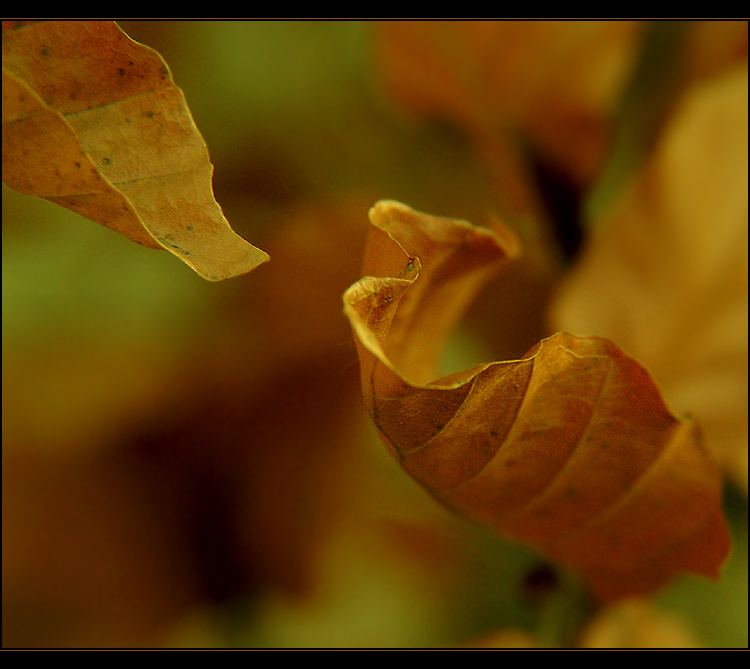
(252, 258)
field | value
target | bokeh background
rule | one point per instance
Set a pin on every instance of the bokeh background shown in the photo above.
(187, 464)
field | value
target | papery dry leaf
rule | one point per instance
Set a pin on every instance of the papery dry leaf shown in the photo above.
(569, 449)
(93, 121)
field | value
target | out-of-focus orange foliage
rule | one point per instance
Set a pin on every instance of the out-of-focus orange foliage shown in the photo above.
(87, 558)
(664, 275)
(555, 83)
(713, 47)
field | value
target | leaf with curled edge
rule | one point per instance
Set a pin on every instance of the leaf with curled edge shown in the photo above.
(570, 449)
(93, 121)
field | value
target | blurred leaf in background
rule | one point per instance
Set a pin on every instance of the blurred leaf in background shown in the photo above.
(188, 464)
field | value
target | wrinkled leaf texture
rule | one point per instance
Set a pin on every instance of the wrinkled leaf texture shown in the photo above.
(570, 449)
(93, 121)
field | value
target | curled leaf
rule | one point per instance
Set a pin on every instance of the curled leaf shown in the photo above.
(93, 121)
(570, 449)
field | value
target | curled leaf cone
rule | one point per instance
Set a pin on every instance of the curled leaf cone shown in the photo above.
(570, 449)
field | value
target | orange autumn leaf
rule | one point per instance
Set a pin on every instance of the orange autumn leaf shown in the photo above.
(93, 121)
(569, 449)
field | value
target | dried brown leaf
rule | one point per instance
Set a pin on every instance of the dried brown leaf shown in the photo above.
(93, 121)
(570, 449)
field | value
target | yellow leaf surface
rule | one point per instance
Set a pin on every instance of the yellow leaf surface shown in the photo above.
(93, 121)
(569, 449)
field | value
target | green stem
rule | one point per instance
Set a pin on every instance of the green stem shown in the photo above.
(565, 613)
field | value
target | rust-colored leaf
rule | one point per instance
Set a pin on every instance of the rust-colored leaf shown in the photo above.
(570, 449)
(93, 121)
